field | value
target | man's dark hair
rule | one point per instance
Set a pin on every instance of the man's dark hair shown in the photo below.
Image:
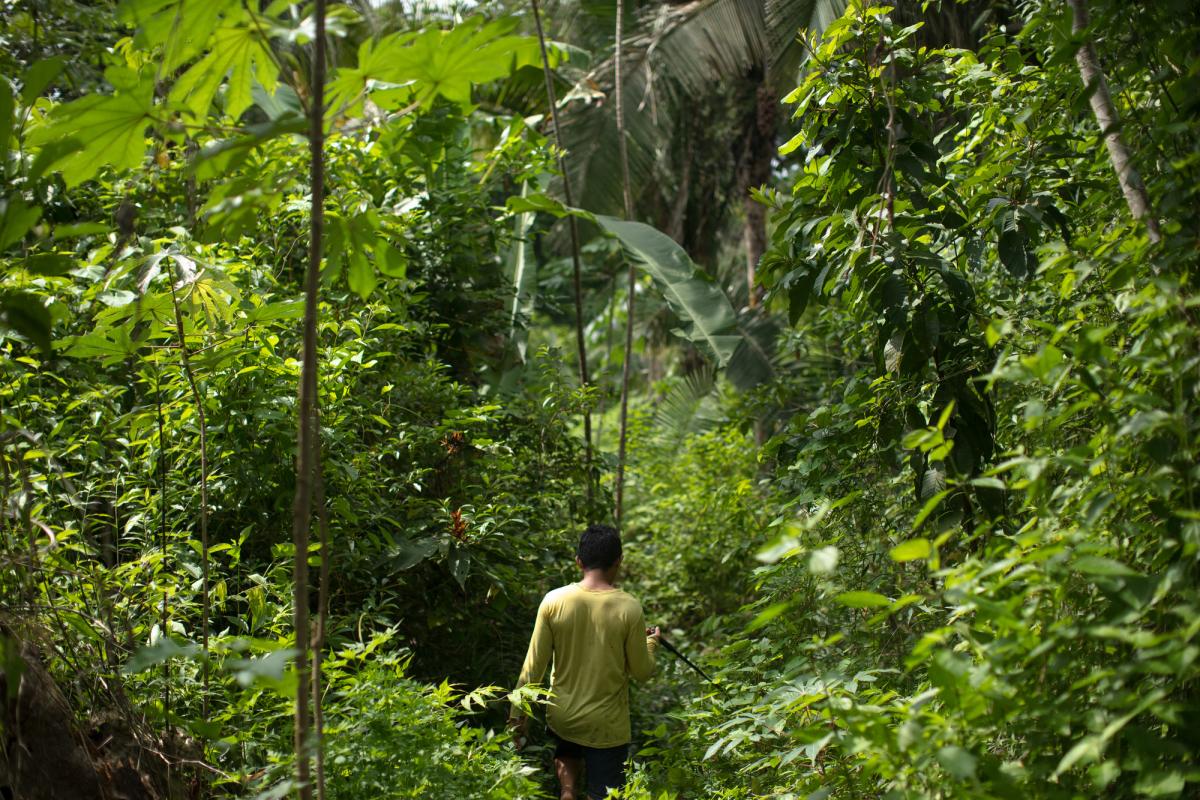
(599, 547)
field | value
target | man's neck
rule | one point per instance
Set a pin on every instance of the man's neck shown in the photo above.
(596, 579)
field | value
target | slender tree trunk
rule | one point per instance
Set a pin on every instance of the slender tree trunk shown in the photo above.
(754, 171)
(162, 541)
(199, 401)
(306, 450)
(580, 344)
(1106, 117)
(322, 607)
(627, 193)
(682, 193)
(608, 336)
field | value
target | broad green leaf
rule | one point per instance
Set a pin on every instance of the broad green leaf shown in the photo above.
(181, 27)
(110, 347)
(6, 117)
(287, 309)
(80, 229)
(407, 554)
(1012, 252)
(460, 566)
(27, 315)
(957, 761)
(390, 260)
(447, 63)
(107, 130)
(1085, 751)
(270, 670)
(349, 85)
(50, 263)
(766, 615)
(283, 103)
(912, 550)
(165, 648)
(1160, 784)
(16, 218)
(700, 303)
(205, 729)
(222, 156)
(784, 546)
(433, 63)
(243, 55)
(38, 77)
(862, 599)
(361, 274)
(1099, 565)
(530, 202)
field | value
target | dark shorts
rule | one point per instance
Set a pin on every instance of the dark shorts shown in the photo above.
(604, 766)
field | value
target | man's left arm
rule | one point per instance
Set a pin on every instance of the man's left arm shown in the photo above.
(640, 643)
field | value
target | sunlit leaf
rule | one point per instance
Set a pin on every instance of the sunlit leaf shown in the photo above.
(861, 599)
(239, 52)
(105, 130)
(912, 550)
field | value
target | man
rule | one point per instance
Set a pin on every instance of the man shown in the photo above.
(598, 639)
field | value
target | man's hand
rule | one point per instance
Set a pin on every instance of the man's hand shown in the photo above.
(520, 731)
(653, 633)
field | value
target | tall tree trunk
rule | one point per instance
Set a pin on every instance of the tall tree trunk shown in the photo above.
(162, 542)
(306, 451)
(627, 193)
(580, 344)
(200, 420)
(754, 171)
(1106, 117)
(322, 606)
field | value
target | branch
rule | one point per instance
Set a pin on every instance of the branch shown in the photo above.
(1110, 124)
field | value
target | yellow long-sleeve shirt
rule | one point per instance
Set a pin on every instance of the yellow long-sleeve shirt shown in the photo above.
(598, 641)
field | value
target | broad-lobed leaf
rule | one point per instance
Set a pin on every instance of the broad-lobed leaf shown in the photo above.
(242, 54)
(93, 132)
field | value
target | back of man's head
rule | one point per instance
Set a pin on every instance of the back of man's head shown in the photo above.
(599, 547)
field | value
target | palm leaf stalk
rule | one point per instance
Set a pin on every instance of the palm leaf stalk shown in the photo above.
(573, 224)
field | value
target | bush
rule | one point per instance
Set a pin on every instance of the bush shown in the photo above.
(391, 737)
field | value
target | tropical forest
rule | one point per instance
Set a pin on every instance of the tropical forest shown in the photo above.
(328, 328)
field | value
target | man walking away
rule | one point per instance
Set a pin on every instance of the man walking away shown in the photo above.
(597, 637)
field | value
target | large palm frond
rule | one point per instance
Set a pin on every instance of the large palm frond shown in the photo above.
(681, 57)
(689, 407)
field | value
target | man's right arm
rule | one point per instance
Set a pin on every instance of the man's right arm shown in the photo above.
(541, 648)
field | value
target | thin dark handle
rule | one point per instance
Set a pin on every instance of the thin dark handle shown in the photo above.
(663, 640)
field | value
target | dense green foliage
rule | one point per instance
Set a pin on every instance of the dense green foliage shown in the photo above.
(928, 513)
(985, 580)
